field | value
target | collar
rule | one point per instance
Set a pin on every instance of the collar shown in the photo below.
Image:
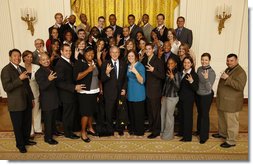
(160, 27)
(117, 61)
(71, 25)
(127, 38)
(189, 71)
(14, 65)
(131, 27)
(145, 24)
(66, 59)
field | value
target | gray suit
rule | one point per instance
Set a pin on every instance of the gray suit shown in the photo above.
(185, 36)
(147, 31)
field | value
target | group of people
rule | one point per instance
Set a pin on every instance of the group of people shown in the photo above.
(153, 68)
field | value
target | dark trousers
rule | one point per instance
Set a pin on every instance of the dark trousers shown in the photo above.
(136, 115)
(21, 121)
(154, 114)
(110, 106)
(203, 103)
(68, 118)
(49, 123)
(186, 118)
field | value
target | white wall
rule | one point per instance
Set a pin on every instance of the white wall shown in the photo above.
(200, 17)
(14, 33)
(199, 14)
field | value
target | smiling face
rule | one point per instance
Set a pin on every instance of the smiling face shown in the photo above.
(81, 45)
(142, 44)
(112, 20)
(149, 50)
(66, 51)
(15, 57)
(131, 20)
(44, 60)
(54, 34)
(114, 53)
(130, 46)
(160, 20)
(232, 62)
(28, 59)
(89, 56)
(171, 64)
(205, 61)
(187, 64)
(131, 57)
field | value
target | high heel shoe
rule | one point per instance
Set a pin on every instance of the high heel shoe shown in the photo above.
(92, 133)
(87, 140)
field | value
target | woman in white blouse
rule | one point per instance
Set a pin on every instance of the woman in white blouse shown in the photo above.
(172, 38)
(27, 57)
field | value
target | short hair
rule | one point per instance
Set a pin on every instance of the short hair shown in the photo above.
(112, 15)
(150, 44)
(232, 55)
(109, 27)
(58, 14)
(26, 53)
(131, 15)
(65, 45)
(180, 17)
(14, 50)
(39, 39)
(101, 17)
(114, 47)
(160, 14)
(146, 15)
(80, 30)
(206, 55)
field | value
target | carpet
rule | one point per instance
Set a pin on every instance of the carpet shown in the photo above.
(124, 148)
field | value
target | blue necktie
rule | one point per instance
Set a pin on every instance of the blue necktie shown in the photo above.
(178, 32)
(115, 69)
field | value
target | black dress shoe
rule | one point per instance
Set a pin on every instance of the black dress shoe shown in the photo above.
(226, 145)
(92, 133)
(184, 140)
(131, 132)
(152, 136)
(73, 136)
(179, 135)
(196, 133)
(87, 140)
(51, 141)
(30, 143)
(121, 133)
(218, 136)
(202, 141)
(58, 133)
(22, 149)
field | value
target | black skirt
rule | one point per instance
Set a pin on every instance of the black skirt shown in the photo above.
(87, 104)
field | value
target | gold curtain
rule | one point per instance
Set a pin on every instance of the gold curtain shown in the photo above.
(122, 8)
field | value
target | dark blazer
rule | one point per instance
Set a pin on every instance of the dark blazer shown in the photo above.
(111, 85)
(134, 31)
(163, 37)
(67, 27)
(80, 66)
(154, 80)
(187, 90)
(185, 36)
(18, 91)
(65, 81)
(48, 92)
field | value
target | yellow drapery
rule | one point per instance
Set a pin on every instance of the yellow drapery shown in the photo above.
(122, 8)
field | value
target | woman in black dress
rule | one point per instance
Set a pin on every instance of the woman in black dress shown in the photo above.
(86, 72)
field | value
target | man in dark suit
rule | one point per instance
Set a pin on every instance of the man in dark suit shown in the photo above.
(20, 99)
(184, 35)
(70, 26)
(154, 79)
(134, 29)
(117, 29)
(165, 53)
(113, 77)
(161, 30)
(58, 24)
(49, 100)
(66, 89)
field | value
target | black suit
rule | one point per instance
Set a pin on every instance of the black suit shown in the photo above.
(66, 89)
(112, 87)
(164, 35)
(20, 96)
(185, 36)
(67, 27)
(134, 31)
(49, 101)
(154, 82)
(186, 100)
